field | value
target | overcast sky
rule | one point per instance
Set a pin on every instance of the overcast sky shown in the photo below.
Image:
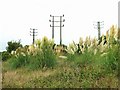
(18, 16)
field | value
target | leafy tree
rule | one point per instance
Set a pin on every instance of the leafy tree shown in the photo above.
(13, 45)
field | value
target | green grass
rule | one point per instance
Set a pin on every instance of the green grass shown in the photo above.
(65, 75)
(77, 71)
(59, 78)
(46, 59)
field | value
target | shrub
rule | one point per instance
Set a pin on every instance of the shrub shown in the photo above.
(35, 61)
(5, 55)
(80, 60)
(42, 57)
(19, 61)
(72, 48)
(38, 61)
(112, 57)
(13, 45)
(41, 60)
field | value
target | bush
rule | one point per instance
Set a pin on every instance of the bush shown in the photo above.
(38, 61)
(18, 61)
(13, 45)
(41, 60)
(42, 57)
(81, 59)
(112, 57)
(5, 55)
(45, 57)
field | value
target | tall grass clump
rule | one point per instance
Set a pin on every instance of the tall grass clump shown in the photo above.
(79, 55)
(37, 57)
(111, 60)
(80, 60)
(18, 61)
(42, 60)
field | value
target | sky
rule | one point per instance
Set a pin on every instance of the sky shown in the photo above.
(18, 16)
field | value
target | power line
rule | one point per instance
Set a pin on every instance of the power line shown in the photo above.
(53, 21)
(33, 33)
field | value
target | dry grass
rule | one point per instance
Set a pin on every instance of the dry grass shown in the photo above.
(63, 75)
(20, 76)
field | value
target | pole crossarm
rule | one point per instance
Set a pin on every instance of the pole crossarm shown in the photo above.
(57, 26)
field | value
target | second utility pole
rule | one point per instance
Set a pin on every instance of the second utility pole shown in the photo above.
(98, 27)
(33, 34)
(60, 30)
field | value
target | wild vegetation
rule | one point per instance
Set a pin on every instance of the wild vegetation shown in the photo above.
(90, 63)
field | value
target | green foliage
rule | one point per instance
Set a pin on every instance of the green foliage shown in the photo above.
(82, 59)
(13, 45)
(46, 44)
(18, 61)
(95, 65)
(5, 55)
(80, 71)
(34, 62)
(41, 58)
(111, 59)
(87, 77)
(45, 57)
(106, 62)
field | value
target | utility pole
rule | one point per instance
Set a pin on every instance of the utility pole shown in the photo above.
(60, 26)
(61, 30)
(98, 27)
(99, 34)
(33, 33)
(52, 25)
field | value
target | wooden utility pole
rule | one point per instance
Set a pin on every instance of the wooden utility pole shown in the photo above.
(33, 33)
(98, 27)
(99, 34)
(60, 26)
